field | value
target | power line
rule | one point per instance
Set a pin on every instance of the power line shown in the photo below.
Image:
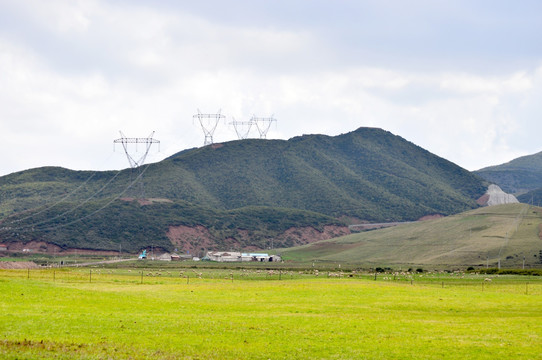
(101, 208)
(53, 205)
(48, 207)
(133, 162)
(29, 228)
(70, 210)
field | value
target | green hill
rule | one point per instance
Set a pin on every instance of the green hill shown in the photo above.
(518, 176)
(369, 174)
(312, 180)
(474, 238)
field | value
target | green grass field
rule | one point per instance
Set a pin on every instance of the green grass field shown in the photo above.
(205, 314)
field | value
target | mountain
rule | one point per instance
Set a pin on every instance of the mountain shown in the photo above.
(521, 176)
(367, 175)
(518, 176)
(481, 237)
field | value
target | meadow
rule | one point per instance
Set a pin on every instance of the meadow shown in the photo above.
(139, 313)
(507, 234)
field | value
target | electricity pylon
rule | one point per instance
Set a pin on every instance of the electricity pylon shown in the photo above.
(263, 124)
(135, 164)
(242, 128)
(208, 123)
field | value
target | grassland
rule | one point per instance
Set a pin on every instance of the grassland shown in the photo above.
(481, 237)
(257, 314)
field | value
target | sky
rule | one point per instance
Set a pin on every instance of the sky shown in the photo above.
(462, 79)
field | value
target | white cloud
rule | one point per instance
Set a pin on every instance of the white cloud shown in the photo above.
(470, 84)
(58, 16)
(84, 70)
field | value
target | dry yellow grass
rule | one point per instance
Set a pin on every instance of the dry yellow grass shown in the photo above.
(475, 238)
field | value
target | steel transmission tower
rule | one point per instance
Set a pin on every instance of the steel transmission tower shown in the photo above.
(263, 124)
(242, 128)
(208, 123)
(135, 164)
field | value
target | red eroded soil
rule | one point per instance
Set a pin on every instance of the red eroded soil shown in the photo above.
(482, 200)
(430, 217)
(193, 239)
(190, 239)
(307, 235)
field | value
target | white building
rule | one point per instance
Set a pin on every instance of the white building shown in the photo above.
(232, 256)
(224, 256)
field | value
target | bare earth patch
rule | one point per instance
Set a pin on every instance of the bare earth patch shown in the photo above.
(307, 235)
(11, 265)
(193, 239)
(48, 248)
(190, 239)
(430, 217)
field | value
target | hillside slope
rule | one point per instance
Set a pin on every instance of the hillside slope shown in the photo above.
(244, 193)
(518, 176)
(369, 174)
(111, 225)
(478, 237)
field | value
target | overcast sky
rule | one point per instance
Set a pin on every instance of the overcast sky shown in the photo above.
(462, 79)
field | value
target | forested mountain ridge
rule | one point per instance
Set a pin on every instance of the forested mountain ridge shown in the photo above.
(368, 174)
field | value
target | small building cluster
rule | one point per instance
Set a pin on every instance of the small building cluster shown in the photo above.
(232, 256)
(219, 256)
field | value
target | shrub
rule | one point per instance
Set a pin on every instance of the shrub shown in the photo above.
(531, 272)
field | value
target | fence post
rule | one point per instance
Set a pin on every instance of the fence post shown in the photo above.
(90, 276)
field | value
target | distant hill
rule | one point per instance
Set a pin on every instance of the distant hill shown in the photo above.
(368, 175)
(478, 237)
(518, 176)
